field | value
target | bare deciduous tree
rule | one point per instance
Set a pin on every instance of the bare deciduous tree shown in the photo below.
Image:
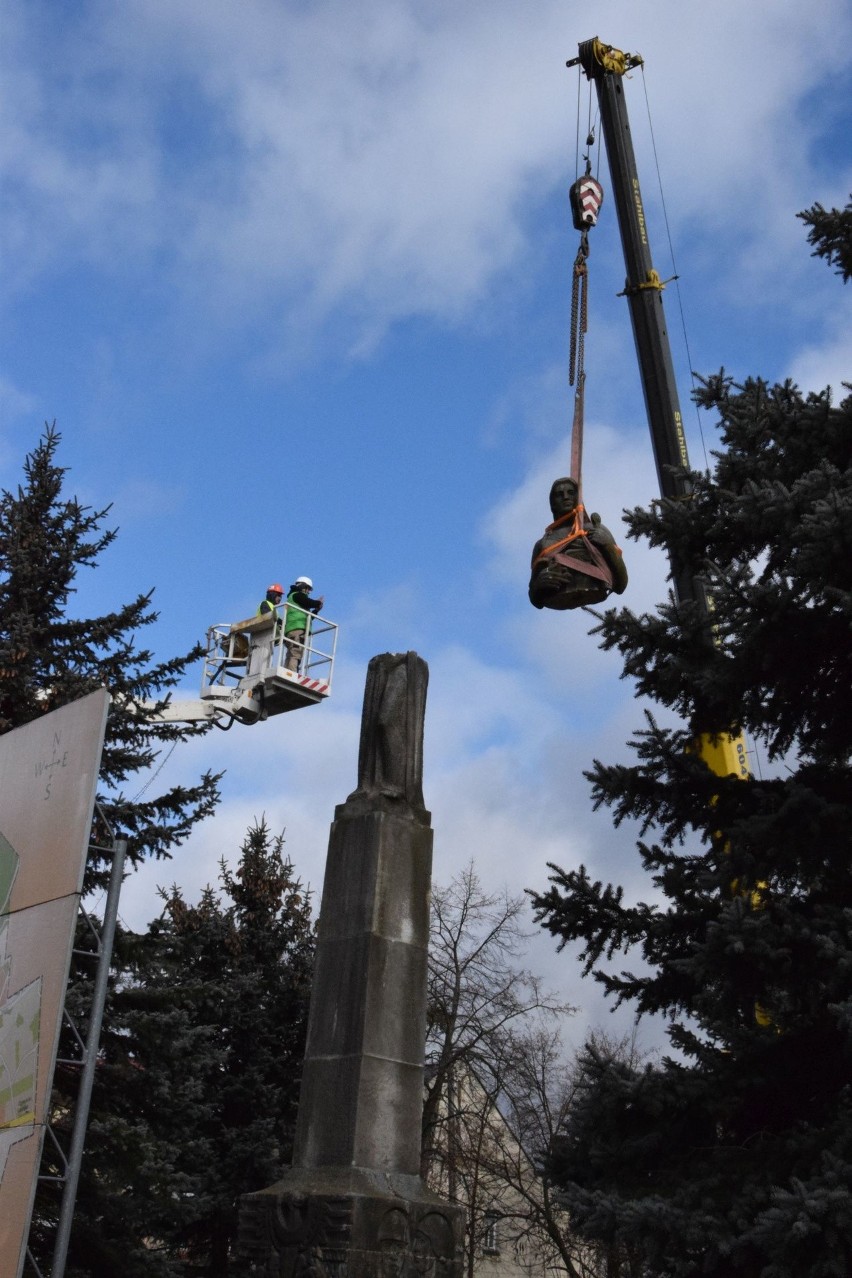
(480, 996)
(538, 1087)
(478, 992)
(499, 1082)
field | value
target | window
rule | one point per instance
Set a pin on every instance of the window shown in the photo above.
(491, 1235)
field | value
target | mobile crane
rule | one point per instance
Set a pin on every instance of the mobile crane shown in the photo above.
(606, 67)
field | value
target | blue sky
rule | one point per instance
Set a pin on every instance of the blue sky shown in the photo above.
(294, 281)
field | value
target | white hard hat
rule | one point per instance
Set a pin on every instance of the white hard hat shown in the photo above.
(304, 581)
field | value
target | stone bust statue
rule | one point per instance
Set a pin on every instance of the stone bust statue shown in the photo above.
(576, 561)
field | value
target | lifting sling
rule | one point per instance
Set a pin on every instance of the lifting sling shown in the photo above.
(569, 570)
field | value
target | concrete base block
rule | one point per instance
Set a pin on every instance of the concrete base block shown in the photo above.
(353, 1223)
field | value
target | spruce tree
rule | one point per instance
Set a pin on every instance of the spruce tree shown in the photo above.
(831, 235)
(732, 1156)
(197, 1087)
(49, 655)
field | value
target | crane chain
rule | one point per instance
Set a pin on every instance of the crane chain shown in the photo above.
(579, 310)
(579, 325)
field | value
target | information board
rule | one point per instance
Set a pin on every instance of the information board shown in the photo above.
(48, 778)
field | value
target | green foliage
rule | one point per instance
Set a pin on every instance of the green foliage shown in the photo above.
(831, 235)
(49, 657)
(734, 1156)
(197, 1086)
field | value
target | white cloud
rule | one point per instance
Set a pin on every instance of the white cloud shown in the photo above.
(289, 160)
(292, 769)
(15, 404)
(830, 362)
(271, 167)
(144, 498)
(508, 734)
(504, 757)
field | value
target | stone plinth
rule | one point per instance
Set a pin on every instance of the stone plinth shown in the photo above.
(353, 1204)
(328, 1223)
(362, 1084)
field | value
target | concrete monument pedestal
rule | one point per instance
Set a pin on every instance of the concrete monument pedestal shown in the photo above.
(353, 1204)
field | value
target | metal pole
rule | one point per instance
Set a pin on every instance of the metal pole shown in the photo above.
(81, 1110)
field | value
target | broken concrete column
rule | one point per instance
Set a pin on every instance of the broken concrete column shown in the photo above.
(353, 1204)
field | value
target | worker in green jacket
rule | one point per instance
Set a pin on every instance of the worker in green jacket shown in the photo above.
(297, 621)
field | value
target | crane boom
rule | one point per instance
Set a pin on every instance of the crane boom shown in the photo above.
(605, 66)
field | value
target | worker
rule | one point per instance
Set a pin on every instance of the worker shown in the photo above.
(296, 621)
(576, 562)
(274, 595)
(270, 605)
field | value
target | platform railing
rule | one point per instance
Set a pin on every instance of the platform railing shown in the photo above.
(258, 648)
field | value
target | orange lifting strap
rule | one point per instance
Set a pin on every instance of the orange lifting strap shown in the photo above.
(598, 568)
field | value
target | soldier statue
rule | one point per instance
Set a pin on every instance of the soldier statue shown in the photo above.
(576, 562)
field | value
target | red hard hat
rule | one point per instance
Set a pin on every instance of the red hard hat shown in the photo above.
(275, 589)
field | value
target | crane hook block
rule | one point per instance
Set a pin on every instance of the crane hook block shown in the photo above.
(586, 199)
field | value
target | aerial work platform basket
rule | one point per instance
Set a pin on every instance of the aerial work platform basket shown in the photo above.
(249, 659)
